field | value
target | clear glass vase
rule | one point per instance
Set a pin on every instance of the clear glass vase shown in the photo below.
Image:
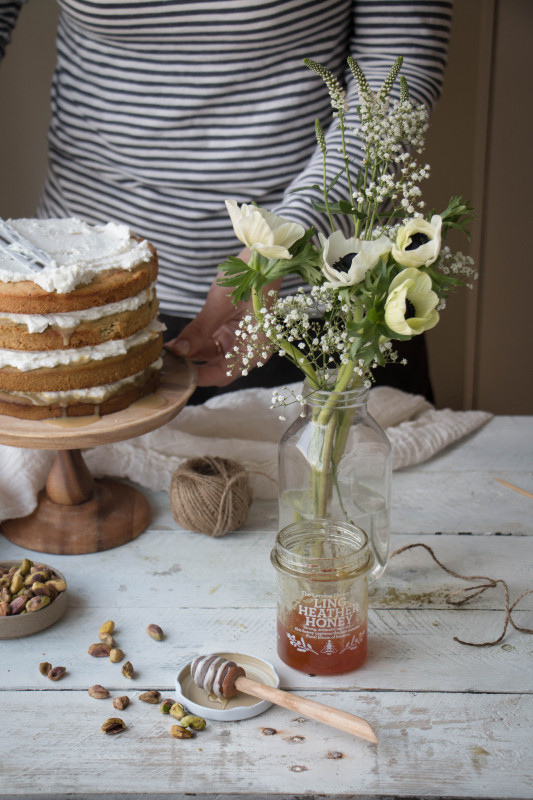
(335, 463)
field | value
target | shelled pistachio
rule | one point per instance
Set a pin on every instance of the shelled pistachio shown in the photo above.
(26, 582)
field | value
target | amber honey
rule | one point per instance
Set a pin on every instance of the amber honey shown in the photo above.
(322, 655)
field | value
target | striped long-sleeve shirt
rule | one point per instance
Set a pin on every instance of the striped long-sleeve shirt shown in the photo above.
(161, 110)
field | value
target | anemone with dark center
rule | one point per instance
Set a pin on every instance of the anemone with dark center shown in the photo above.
(410, 310)
(344, 264)
(417, 240)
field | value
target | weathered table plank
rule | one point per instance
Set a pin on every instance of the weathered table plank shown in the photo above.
(408, 650)
(187, 569)
(430, 745)
(452, 721)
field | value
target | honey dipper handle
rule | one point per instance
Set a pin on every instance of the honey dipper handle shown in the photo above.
(309, 708)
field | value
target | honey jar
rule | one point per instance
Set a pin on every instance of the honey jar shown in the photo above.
(322, 605)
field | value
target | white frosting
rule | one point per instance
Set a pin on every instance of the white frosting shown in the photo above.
(94, 394)
(79, 252)
(28, 360)
(37, 323)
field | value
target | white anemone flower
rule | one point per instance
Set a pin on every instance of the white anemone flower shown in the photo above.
(411, 302)
(345, 261)
(418, 243)
(262, 231)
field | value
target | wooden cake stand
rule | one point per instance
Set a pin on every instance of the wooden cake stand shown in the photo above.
(76, 513)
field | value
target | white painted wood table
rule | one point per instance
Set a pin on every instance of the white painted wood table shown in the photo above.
(452, 721)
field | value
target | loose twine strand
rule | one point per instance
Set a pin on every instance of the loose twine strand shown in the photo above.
(213, 495)
(462, 596)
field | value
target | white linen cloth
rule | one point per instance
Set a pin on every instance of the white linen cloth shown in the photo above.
(240, 426)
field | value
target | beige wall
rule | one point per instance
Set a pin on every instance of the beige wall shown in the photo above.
(479, 145)
(481, 352)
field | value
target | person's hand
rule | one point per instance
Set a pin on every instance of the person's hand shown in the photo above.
(211, 334)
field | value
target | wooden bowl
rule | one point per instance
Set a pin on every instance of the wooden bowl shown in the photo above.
(19, 625)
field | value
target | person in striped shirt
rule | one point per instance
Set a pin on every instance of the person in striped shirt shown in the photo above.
(162, 110)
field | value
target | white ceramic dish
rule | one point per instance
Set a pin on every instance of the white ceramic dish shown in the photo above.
(239, 707)
(18, 625)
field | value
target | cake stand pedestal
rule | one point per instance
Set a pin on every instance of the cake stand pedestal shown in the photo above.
(77, 513)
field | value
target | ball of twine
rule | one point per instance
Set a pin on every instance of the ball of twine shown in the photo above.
(210, 495)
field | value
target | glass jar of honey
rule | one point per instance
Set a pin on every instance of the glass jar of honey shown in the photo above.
(322, 606)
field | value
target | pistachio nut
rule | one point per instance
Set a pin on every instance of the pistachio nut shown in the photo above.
(17, 583)
(121, 702)
(106, 638)
(113, 725)
(37, 602)
(166, 705)
(25, 566)
(39, 588)
(56, 673)
(177, 732)
(98, 692)
(5, 609)
(18, 604)
(45, 667)
(52, 592)
(152, 696)
(42, 576)
(107, 627)
(5, 595)
(177, 711)
(127, 670)
(99, 650)
(57, 584)
(197, 723)
(155, 632)
(116, 655)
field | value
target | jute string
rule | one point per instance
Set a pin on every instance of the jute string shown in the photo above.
(210, 495)
(462, 596)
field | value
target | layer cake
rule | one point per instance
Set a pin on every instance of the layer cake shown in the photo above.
(78, 326)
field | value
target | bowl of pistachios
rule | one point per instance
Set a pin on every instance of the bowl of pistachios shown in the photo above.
(33, 596)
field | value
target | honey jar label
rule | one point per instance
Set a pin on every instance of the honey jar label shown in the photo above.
(325, 624)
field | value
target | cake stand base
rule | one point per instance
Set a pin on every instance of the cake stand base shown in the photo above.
(77, 513)
(114, 515)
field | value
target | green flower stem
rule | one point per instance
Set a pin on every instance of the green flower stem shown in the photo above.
(346, 161)
(332, 427)
(323, 476)
(325, 192)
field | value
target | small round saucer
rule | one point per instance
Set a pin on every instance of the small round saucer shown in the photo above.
(242, 706)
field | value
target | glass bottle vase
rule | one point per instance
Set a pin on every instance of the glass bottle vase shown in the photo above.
(335, 463)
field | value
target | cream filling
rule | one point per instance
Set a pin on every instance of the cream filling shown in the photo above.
(79, 252)
(37, 323)
(28, 360)
(94, 394)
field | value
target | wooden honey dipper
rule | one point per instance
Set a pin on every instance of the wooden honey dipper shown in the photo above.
(217, 675)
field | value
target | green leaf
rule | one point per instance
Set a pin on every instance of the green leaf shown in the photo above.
(340, 207)
(306, 188)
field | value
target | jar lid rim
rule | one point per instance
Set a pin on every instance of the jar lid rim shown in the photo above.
(321, 567)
